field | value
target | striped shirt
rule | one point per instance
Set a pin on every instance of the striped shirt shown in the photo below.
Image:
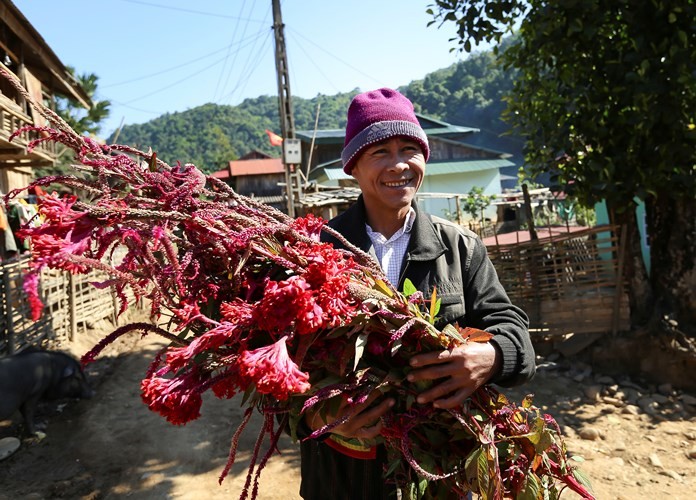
(390, 252)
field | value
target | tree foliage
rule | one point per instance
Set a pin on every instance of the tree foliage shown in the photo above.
(606, 98)
(84, 121)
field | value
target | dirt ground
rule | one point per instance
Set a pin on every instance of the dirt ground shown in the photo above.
(638, 441)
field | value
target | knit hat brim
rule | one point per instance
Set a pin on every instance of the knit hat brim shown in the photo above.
(380, 131)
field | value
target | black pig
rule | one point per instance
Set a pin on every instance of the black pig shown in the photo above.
(30, 376)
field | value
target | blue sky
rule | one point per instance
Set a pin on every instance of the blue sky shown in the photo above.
(158, 56)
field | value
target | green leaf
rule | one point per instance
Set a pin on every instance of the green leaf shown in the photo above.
(581, 478)
(422, 486)
(409, 288)
(471, 464)
(531, 489)
(360, 343)
(452, 332)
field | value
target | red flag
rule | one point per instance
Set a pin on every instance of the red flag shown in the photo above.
(275, 139)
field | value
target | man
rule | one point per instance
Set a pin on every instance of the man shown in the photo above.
(386, 151)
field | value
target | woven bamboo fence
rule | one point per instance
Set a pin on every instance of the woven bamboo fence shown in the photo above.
(566, 284)
(569, 283)
(71, 306)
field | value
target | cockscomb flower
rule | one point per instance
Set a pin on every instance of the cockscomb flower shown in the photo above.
(178, 398)
(272, 371)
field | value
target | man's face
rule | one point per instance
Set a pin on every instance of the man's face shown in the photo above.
(389, 174)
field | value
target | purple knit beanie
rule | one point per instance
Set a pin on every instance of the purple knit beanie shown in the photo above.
(378, 115)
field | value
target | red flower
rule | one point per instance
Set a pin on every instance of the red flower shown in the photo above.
(273, 372)
(224, 333)
(177, 399)
(309, 225)
(31, 288)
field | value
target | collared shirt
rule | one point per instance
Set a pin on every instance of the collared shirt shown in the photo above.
(390, 252)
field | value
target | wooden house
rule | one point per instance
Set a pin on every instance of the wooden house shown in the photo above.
(25, 53)
(257, 175)
(454, 168)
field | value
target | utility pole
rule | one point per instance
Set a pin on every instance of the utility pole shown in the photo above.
(291, 146)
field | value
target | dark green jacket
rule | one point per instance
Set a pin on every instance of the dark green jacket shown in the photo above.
(454, 260)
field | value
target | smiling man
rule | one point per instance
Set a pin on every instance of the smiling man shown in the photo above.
(386, 151)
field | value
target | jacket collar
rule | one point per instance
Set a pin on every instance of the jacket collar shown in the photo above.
(425, 242)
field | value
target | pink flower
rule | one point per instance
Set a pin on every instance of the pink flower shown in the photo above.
(177, 399)
(281, 304)
(31, 288)
(211, 341)
(310, 225)
(273, 372)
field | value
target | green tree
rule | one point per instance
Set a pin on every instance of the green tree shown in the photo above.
(606, 100)
(84, 121)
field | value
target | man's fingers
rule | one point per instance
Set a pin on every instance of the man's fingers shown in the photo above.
(430, 358)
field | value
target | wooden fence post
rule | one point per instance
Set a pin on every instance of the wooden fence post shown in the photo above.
(619, 283)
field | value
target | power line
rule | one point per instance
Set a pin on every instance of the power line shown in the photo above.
(215, 63)
(224, 66)
(172, 68)
(250, 67)
(318, 68)
(190, 11)
(336, 57)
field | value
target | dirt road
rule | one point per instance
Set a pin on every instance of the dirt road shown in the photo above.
(636, 440)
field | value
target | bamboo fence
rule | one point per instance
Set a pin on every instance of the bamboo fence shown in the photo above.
(71, 306)
(568, 283)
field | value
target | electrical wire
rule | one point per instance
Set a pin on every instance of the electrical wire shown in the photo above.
(336, 57)
(318, 68)
(243, 81)
(190, 11)
(178, 66)
(224, 66)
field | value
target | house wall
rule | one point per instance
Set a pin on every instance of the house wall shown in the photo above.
(461, 184)
(259, 185)
(14, 178)
(447, 150)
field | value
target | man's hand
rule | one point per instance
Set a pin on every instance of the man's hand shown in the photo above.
(462, 369)
(364, 422)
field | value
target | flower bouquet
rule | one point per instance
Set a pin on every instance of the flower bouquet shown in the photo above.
(253, 303)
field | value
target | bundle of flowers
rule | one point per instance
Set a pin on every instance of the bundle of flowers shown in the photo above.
(253, 303)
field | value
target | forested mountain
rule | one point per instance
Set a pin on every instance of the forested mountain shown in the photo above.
(468, 93)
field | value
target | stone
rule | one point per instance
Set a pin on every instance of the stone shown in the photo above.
(613, 401)
(605, 379)
(648, 405)
(655, 461)
(687, 399)
(665, 389)
(659, 398)
(630, 410)
(589, 433)
(672, 474)
(592, 392)
(691, 454)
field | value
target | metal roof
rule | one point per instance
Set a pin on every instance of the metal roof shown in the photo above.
(431, 126)
(457, 167)
(435, 168)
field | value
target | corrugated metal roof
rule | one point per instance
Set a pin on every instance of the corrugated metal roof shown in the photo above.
(430, 126)
(437, 168)
(257, 167)
(457, 167)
